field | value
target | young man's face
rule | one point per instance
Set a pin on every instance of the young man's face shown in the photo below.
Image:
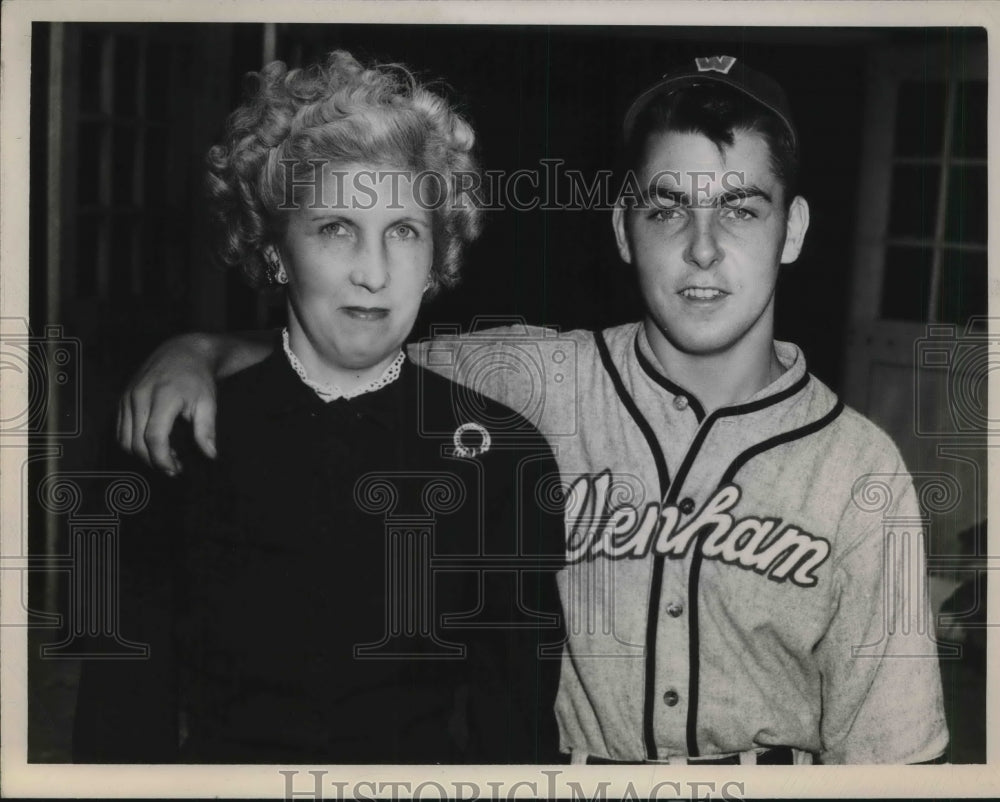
(707, 247)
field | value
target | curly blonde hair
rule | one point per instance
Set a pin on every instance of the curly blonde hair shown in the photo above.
(339, 112)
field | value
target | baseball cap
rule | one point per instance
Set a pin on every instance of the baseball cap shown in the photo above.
(722, 70)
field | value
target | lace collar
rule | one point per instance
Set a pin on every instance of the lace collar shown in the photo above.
(330, 392)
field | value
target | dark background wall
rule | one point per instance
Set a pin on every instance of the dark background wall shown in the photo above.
(560, 93)
(534, 93)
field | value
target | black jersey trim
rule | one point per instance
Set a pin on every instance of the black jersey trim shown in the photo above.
(781, 439)
(763, 403)
(692, 723)
(652, 619)
(655, 593)
(742, 459)
(694, 644)
(656, 581)
(666, 384)
(629, 403)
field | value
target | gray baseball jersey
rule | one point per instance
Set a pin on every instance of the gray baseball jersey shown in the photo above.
(746, 578)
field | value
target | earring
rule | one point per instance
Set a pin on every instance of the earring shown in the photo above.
(428, 284)
(275, 269)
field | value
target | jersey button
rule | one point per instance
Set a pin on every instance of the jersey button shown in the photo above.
(671, 698)
(675, 610)
(680, 402)
(687, 506)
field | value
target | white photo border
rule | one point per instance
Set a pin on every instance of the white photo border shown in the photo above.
(21, 779)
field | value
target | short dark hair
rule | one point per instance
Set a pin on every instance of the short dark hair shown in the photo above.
(716, 111)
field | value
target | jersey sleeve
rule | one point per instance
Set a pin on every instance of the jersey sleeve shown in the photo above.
(881, 682)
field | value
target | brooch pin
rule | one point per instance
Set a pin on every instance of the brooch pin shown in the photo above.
(471, 451)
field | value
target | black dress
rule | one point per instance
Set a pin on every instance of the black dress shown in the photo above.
(345, 586)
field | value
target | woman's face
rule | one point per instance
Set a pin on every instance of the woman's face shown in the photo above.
(358, 260)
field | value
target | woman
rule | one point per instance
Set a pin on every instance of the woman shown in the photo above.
(340, 596)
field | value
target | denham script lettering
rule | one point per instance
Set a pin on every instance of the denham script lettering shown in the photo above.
(779, 552)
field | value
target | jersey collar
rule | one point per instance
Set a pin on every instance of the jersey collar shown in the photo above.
(789, 355)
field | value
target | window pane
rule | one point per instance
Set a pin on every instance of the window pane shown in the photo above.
(90, 72)
(967, 202)
(87, 231)
(914, 200)
(970, 120)
(920, 118)
(154, 168)
(88, 163)
(145, 229)
(126, 65)
(157, 80)
(154, 250)
(121, 257)
(906, 290)
(185, 57)
(122, 164)
(963, 289)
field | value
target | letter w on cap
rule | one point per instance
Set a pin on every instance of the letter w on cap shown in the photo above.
(721, 64)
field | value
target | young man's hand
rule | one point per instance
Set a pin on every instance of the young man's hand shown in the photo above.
(179, 379)
(176, 380)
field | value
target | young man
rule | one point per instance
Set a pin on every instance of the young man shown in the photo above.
(729, 597)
